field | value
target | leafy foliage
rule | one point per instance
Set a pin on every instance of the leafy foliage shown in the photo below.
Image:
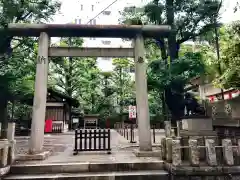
(230, 76)
(124, 86)
(77, 77)
(192, 18)
(17, 54)
(181, 70)
(189, 19)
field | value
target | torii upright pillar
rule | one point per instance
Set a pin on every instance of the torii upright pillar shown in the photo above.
(40, 95)
(143, 119)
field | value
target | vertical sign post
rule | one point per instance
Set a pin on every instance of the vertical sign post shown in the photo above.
(132, 112)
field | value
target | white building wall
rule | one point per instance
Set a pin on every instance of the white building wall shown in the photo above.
(208, 90)
(80, 12)
(90, 9)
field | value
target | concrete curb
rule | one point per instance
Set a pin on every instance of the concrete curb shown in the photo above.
(125, 175)
(84, 167)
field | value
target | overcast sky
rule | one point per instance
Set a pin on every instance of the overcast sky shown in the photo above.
(71, 9)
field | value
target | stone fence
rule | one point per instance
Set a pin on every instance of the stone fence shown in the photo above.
(196, 150)
(7, 150)
(172, 152)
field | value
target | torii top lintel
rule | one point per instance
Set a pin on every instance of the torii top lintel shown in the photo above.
(75, 30)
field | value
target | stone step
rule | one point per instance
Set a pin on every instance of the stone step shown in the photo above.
(55, 168)
(123, 175)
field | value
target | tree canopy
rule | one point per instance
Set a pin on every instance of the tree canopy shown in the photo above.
(17, 54)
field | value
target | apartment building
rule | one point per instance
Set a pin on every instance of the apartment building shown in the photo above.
(93, 13)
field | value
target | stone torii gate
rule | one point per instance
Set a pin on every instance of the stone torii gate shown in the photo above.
(46, 31)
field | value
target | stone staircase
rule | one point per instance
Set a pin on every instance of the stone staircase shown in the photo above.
(89, 171)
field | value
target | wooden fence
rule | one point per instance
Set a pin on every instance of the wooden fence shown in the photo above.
(92, 140)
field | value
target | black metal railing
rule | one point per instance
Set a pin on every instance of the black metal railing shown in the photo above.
(92, 140)
(127, 131)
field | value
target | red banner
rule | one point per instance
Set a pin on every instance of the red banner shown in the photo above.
(48, 126)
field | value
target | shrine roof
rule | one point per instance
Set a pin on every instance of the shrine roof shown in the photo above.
(28, 99)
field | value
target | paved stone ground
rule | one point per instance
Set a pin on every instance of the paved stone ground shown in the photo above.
(62, 147)
(53, 143)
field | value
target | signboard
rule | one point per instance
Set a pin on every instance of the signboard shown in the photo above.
(132, 112)
(90, 121)
(75, 120)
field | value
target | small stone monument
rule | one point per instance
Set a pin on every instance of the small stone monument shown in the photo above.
(195, 122)
(195, 125)
(198, 128)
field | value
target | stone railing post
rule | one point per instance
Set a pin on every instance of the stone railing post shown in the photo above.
(167, 127)
(176, 152)
(163, 148)
(211, 152)
(178, 128)
(194, 152)
(4, 152)
(228, 152)
(169, 149)
(11, 139)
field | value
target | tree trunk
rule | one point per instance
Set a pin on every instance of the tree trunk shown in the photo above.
(172, 44)
(162, 95)
(69, 89)
(92, 93)
(3, 114)
(164, 109)
(13, 108)
(92, 102)
(173, 53)
(121, 94)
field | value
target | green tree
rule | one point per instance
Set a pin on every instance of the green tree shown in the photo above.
(222, 72)
(66, 72)
(123, 83)
(91, 94)
(77, 77)
(106, 107)
(230, 57)
(17, 12)
(189, 19)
